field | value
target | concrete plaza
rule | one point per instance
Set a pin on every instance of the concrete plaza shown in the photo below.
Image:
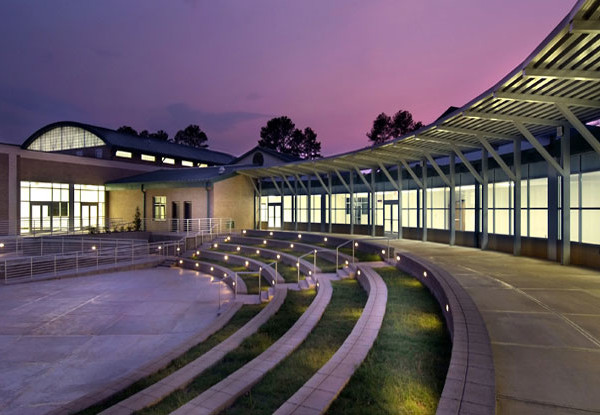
(544, 324)
(62, 339)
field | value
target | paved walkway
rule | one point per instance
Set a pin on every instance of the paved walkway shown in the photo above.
(61, 339)
(186, 374)
(224, 393)
(317, 394)
(544, 323)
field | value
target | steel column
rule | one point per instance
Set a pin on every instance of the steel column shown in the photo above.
(565, 197)
(517, 198)
(351, 201)
(424, 206)
(484, 200)
(373, 203)
(452, 209)
(329, 201)
(399, 201)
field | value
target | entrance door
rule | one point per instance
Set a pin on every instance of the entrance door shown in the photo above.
(40, 218)
(187, 215)
(274, 215)
(390, 217)
(174, 216)
(89, 215)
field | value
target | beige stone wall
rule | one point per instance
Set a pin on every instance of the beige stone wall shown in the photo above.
(234, 198)
(195, 195)
(122, 204)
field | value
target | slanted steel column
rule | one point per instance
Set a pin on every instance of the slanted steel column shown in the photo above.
(309, 205)
(565, 196)
(399, 201)
(424, 206)
(484, 200)
(329, 200)
(373, 203)
(517, 198)
(452, 210)
(351, 202)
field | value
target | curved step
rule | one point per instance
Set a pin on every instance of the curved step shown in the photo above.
(328, 253)
(224, 393)
(221, 272)
(186, 374)
(268, 273)
(306, 267)
(317, 394)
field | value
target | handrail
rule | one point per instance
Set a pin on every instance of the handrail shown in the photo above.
(337, 253)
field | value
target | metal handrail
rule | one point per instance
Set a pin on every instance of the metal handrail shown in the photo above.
(337, 253)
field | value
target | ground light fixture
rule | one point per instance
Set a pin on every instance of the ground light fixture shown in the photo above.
(325, 239)
(278, 256)
(246, 263)
(291, 245)
(197, 265)
(309, 272)
(264, 241)
(238, 249)
(270, 233)
(215, 246)
(244, 231)
(178, 249)
(383, 251)
(226, 257)
(94, 248)
(197, 252)
(159, 248)
(358, 272)
(356, 244)
(212, 268)
(257, 252)
(180, 261)
(425, 274)
(447, 308)
(1, 244)
(299, 236)
(398, 258)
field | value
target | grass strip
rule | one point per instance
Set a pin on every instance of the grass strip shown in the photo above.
(294, 305)
(288, 272)
(241, 317)
(404, 372)
(344, 309)
(251, 280)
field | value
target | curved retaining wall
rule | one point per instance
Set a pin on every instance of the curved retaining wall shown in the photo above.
(268, 273)
(364, 245)
(225, 274)
(470, 382)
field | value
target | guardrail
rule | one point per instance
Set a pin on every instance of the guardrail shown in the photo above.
(54, 264)
(45, 245)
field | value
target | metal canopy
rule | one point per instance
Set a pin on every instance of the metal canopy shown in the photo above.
(557, 85)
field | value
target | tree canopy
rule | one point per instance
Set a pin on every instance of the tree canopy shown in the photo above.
(281, 134)
(191, 136)
(385, 127)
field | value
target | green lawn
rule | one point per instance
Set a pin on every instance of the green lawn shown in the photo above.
(282, 382)
(288, 272)
(251, 280)
(294, 305)
(241, 317)
(405, 370)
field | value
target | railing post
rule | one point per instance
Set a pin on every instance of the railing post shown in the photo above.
(315, 263)
(337, 262)
(298, 267)
(259, 278)
(235, 284)
(132, 252)
(54, 264)
(41, 246)
(116, 255)
(76, 261)
(353, 243)
(276, 273)
(30, 267)
(97, 258)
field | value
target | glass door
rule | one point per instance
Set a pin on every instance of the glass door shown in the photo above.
(274, 215)
(40, 218)
(89, 215)
(390, 217)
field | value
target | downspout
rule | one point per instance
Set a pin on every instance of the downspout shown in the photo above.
(143, 208)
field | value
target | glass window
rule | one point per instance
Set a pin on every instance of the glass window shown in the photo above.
(168, 160)
(65, 138)
(147, 157)
(123, 154)
(187, 163)
(590, 194)
(159, 207)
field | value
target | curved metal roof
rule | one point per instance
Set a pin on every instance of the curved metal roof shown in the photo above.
(146, 145)
(557, 85)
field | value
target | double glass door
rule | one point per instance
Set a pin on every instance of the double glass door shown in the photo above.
(41, 216)
(390, 217)
(274, 215)
(89, 215)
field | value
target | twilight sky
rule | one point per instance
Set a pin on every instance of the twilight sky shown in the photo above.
(230, 65)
